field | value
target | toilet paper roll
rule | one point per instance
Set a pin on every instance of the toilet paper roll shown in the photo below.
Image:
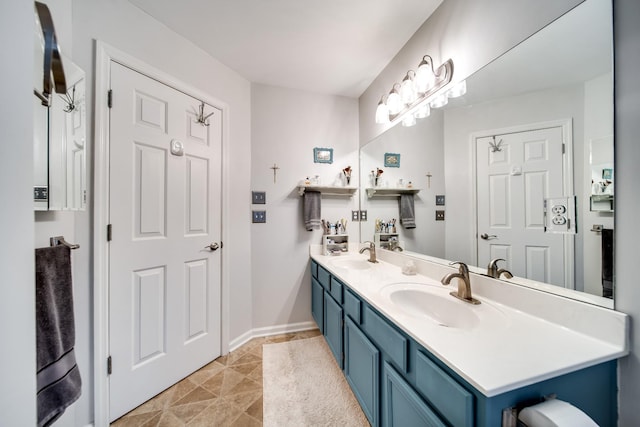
(555, 413)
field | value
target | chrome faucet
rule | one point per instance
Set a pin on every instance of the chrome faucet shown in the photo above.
(372, 251)
(464, 283)
(493, 271)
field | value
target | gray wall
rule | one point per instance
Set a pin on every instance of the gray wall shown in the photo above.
(17, 296)
(627, 158)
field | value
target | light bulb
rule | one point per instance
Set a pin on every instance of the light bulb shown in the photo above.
(382, 113)
(422, 112)
(393, 101)
(457, 90)
(439, 101)
(409, 120)
(424, 79)
(407, 92)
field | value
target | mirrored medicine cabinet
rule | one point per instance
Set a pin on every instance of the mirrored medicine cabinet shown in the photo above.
(59, 131)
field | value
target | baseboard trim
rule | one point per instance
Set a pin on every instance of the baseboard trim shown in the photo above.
(271, 330)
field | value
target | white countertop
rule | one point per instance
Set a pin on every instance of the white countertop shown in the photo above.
(530, 336)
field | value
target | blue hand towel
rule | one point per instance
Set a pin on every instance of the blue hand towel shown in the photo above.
(407, 211)
(312, 212)
(58, 377)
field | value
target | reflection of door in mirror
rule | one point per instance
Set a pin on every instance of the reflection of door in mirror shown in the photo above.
(515, 173)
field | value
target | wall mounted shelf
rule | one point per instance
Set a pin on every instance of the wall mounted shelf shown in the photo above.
(371, 192)
(328, 190)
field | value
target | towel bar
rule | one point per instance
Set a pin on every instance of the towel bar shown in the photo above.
(59, 240)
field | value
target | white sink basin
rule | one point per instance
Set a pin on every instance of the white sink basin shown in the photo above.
(433, 303)
(351, 264)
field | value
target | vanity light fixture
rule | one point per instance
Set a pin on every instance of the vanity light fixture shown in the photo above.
(419, 91)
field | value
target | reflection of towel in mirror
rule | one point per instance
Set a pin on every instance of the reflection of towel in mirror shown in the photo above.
(312, 202)
(407, 211)
(58, 377)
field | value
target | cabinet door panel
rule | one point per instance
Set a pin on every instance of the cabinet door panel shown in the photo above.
(443, 392)
(402, 406)
(333, 327)
(362, 369)
(317, 303)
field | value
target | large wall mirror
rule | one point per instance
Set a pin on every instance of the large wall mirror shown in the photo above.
(535, 126)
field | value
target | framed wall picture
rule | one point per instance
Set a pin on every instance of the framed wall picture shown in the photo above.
(323, 155)
(607, 174)
(391, 160)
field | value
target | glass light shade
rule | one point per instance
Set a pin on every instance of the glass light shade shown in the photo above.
(382, 113)
(424, 79)
(407, 93)
(408, 120)
(439, 101)
(422, 112)
(457, 90)
(394, 102)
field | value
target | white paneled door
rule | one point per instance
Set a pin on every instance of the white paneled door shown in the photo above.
(515, 173)
(165, 265)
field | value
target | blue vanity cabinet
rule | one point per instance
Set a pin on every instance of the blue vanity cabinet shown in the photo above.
(362, 369)
(398, 382)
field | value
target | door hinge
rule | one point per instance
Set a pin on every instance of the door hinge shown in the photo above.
(110, 98)
(109, 366)
(563, 148)
(109, 232)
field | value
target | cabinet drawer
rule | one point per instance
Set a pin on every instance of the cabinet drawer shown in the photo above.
(452, 400)
(389, 340)
(324, 277)
(352, 306)
(314, 269)
(336, 289)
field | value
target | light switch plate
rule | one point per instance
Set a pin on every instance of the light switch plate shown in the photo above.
(258, 197)
(363, 216)
(258, 216)
(440, 200)
(355, 215)
(439, 215)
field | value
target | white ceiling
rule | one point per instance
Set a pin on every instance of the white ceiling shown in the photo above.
(331, 46)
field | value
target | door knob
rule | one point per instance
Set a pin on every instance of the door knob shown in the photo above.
(212, 247)
(486, 236)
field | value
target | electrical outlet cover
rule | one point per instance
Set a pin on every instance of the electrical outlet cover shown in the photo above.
(355, 215)
(259, 216)
(440, 200)
(363, 215)
(560, 215)
(258, 197)
(439, 215)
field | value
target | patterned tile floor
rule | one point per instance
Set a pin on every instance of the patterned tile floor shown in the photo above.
(226, 392)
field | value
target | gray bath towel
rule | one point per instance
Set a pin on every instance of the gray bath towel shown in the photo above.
(407, 211)
(312, 203)
(58, 377)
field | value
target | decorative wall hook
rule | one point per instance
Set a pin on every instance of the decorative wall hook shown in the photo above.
(70, 100)
(201, 118)
(495, 147)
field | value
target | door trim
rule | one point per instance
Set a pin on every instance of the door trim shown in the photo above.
(567, 183)
(105, 54)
